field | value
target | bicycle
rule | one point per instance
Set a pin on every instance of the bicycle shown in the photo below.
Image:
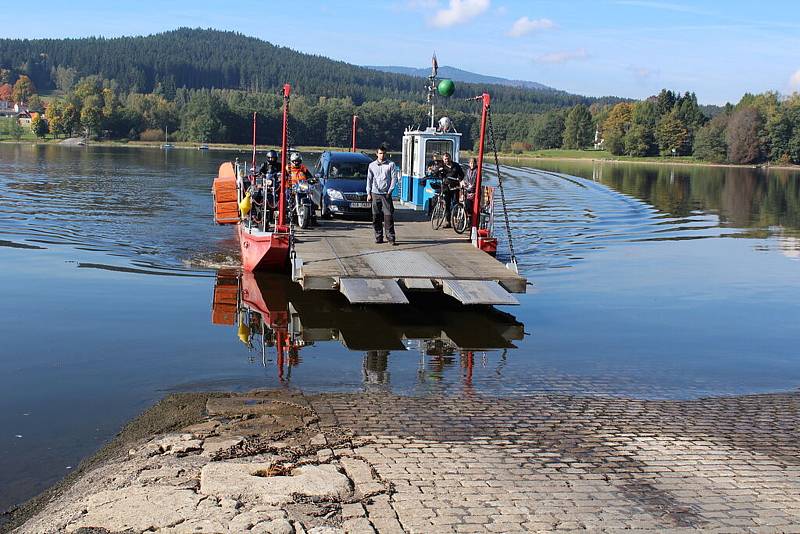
(461, 216)
(438, 208)
(439, 205)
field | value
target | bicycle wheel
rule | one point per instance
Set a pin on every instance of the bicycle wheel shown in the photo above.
(438, 214)
(459, 216)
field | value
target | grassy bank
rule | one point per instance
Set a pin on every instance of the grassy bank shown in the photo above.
(605, 156)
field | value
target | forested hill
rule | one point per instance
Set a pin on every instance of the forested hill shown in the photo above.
(460, 75)
(197, 58)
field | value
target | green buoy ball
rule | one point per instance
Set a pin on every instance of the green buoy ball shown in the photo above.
(446, 87)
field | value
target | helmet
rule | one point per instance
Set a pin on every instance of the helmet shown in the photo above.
(272, 155)
(295, 157)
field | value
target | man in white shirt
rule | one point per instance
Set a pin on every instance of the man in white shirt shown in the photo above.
(381, 179)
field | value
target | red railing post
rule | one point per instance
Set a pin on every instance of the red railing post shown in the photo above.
(254, 141)
(476, 206)
(282, 201)
(355, 130)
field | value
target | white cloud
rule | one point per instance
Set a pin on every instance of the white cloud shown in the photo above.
(794, 81)
(563, 56)
(422, 4)
(525, 25)
(414, 5)
(459, 11)
(642, 73)
(663, 6)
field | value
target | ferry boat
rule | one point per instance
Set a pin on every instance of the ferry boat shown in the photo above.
(264, 244)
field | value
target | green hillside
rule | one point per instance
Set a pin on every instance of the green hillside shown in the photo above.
(204, 59)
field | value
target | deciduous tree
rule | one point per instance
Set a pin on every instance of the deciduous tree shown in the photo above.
(709, 142)
(55, 117)
(616, 126)
(91, 114)
(639, 141)
(745, 135)
(6, 92)
(39, 126)
(23, 89)
(672, 136)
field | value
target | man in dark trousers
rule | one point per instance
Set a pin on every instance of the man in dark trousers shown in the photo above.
(452, 174)
(381, 179)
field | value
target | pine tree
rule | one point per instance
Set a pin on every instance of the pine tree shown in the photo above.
(578, 128)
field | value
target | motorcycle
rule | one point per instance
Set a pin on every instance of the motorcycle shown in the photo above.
(264, 191)
(301, 206)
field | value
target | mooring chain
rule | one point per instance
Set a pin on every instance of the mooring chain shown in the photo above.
(500, 185)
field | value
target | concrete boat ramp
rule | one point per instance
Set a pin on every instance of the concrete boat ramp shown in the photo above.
(341, 255)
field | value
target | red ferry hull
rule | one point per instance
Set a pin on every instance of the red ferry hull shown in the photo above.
(265, 252)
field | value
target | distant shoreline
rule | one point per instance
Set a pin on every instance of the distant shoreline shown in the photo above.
(505, 157)
(653, 161)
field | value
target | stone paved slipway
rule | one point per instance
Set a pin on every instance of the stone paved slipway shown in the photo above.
(545, 463)
(281, 461)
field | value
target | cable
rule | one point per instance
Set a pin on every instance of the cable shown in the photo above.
(502, 192)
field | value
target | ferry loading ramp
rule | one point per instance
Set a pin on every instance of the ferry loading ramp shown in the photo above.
(341, 255)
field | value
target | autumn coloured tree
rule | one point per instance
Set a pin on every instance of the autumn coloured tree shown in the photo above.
(23, 89)
(39, 126)
(615, 127)
(6, 91)
(672, 136)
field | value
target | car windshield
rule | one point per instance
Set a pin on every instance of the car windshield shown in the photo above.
(348, 170)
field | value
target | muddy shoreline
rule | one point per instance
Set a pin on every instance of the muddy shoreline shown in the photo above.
(212, 462)
(171, 413)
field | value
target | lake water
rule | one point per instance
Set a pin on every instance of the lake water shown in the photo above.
(648, 281)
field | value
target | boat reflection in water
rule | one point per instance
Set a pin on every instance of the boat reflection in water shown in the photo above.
(271, 313)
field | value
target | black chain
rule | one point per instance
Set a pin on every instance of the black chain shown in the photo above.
(289, 137)
(500, 185)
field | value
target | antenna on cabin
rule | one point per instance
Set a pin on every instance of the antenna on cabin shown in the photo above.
(432, 88)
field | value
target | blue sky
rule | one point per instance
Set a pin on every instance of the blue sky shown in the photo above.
(631, 48)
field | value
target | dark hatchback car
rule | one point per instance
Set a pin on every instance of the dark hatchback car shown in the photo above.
(342, 183)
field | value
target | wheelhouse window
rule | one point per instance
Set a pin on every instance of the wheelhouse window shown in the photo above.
(437, 147)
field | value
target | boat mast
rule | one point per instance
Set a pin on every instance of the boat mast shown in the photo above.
(476, 205)
(282, 201)
(432, 88)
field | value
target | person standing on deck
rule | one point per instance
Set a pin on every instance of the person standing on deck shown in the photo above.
(452, 176)
(470, 177)
(381, 179)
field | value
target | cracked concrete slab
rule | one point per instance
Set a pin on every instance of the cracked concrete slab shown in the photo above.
(144, 508)
(247, 482)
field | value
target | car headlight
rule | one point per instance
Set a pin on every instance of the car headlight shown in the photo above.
(335, 194)
(267, 182)
(302, 186)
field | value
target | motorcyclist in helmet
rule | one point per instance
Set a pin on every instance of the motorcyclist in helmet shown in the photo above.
(297, 172)
(265, 183)
(272, 165)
